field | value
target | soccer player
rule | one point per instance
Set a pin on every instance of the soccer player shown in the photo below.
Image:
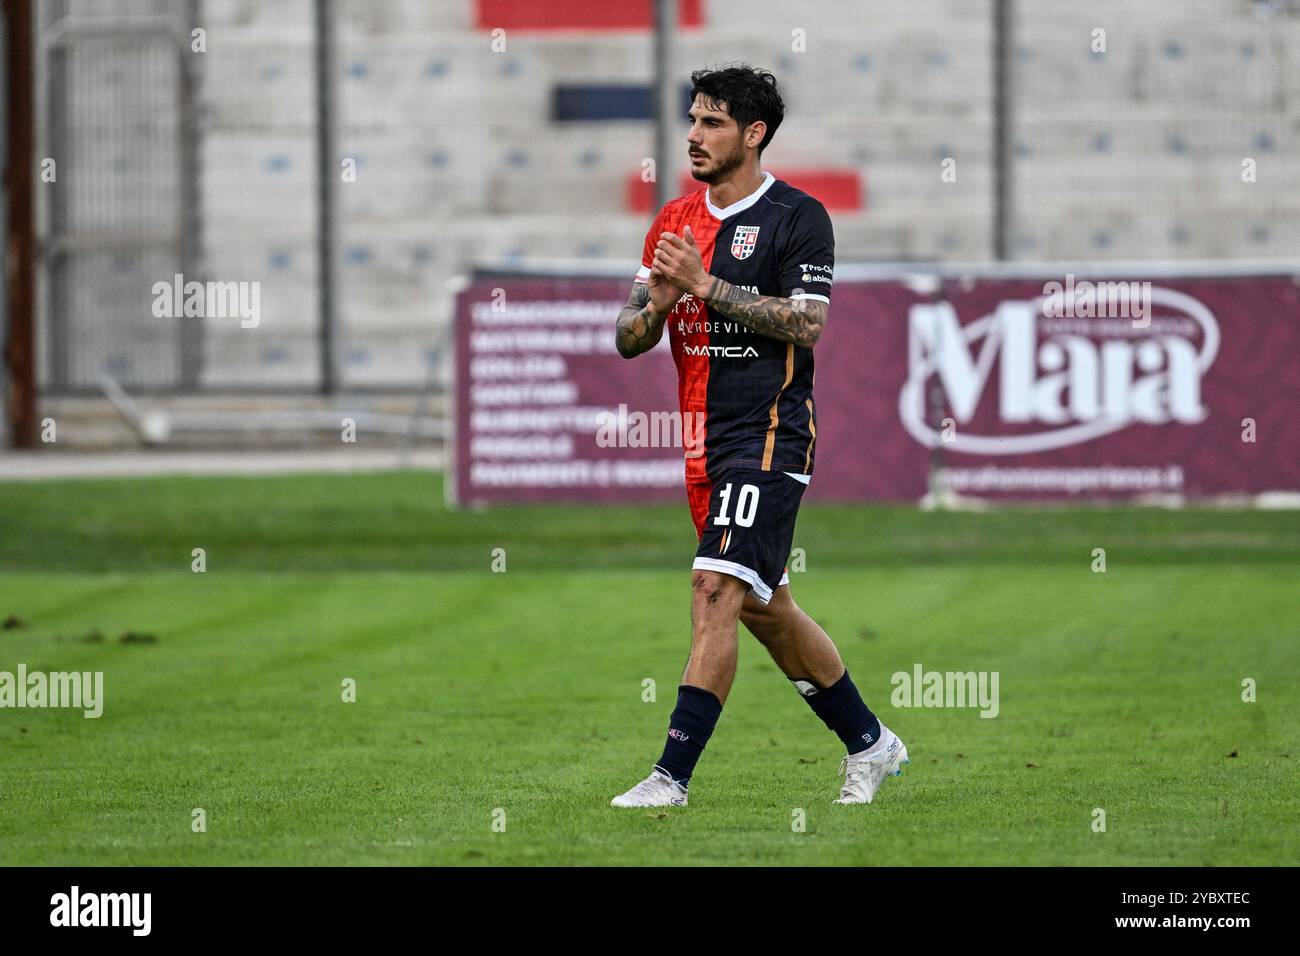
(740, 271)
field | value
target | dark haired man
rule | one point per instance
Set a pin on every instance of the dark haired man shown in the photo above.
(740, 272)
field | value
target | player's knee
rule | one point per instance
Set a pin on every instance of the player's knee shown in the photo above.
(707, 587)
(716, 595)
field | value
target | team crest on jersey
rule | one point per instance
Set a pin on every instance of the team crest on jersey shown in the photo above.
(743, 242)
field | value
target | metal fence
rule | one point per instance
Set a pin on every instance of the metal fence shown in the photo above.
(186, 141)
(114, 161)
(4, 230)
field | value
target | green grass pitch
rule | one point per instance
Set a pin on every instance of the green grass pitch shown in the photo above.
(515, 698)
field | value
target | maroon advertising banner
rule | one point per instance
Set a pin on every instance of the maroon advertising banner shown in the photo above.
(1062, 388)
(538, 385)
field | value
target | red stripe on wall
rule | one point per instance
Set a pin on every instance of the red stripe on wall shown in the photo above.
(579, 14)
(836, 188)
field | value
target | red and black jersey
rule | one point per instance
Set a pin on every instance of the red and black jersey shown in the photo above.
(753, 393)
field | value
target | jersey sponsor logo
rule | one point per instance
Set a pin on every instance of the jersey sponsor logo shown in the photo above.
(722, 351)
(688, 305)
(1069, 380)
(815, 273)
(686, 328)
(744, 241)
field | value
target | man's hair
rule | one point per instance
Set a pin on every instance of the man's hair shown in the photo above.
(749, 92)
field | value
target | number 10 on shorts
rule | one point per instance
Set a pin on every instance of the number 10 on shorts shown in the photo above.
(746, 505)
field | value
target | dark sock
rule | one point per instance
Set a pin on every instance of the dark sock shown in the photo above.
(689, 729)
(841, 708)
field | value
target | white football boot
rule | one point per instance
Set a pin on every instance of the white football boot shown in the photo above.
(656, 790)
(864, 772)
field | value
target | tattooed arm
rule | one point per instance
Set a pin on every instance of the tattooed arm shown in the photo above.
(788, 320)
(640, 324)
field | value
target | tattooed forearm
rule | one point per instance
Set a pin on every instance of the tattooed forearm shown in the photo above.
(790, 320)
(639, 326)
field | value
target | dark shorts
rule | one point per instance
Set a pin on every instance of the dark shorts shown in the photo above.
(745, 522)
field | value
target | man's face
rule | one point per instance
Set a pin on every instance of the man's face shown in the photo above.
(714, 141)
